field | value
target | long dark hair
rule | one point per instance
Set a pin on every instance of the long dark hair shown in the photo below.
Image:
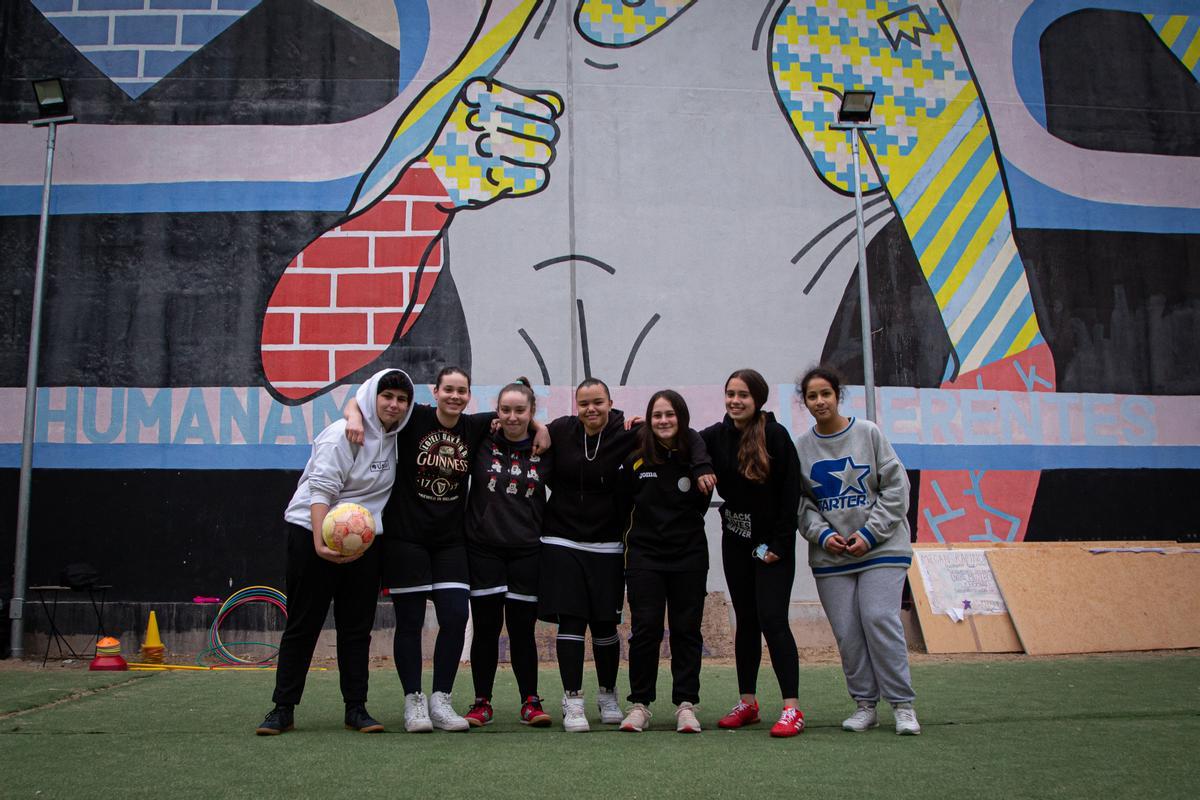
(649, 446)
(828, 373)
(754, 463)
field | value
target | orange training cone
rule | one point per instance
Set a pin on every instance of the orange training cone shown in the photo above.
(152, 647)
(108, 656)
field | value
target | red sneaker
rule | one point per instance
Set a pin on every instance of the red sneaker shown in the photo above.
(532, 713)
(742, 714)
(791, 723)
(480, 713)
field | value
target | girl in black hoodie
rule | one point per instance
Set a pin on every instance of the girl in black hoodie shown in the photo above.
(759, 476)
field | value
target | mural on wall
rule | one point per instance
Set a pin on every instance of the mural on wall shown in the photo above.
(260, 201)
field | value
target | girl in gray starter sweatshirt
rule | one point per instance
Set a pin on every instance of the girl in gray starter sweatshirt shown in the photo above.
(854, 516)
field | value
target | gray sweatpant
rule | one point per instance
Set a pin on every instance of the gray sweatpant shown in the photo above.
(864, 611)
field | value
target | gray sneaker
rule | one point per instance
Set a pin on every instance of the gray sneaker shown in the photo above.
(864, 718)
(906, 721)
(610, 708)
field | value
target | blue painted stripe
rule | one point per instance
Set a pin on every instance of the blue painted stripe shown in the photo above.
(966, 232)
(914, 456)
(151, 198)
(1039, 206)
(1159, 21)
(413, 18)
(1187, 35)
(974, 277)
(952, 196)
(938, 158)
(1011, 330)
(991, 306)
(902, 561)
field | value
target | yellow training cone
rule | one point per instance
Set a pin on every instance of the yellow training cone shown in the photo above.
(152, 637)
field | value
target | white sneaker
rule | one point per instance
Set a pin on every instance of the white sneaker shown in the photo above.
(443, 715)
(863, 718)
(610, 708)
(416, 713)
(637, 720)
(685, 719)
(906, 721)
(574, 718)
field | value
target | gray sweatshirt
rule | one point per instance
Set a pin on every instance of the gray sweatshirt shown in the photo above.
(853, 482)
(338, 471)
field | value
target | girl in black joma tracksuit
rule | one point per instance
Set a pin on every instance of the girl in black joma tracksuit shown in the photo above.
(666, 562)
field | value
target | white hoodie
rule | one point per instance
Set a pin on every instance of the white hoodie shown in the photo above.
(338, 471)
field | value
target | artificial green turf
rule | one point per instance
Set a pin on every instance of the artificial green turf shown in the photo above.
(1039, 728)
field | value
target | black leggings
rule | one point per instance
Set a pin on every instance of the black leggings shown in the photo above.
(606, 650)
(488, 614)
(451, 607)
(761, 594)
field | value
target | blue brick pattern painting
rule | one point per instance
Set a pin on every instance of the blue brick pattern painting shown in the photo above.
(138, 42)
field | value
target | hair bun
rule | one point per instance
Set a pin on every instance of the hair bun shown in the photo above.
(523, 381)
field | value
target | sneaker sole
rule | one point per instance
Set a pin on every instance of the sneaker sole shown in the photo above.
(629, 729)
(542, 721)
(687, 730)
(478, 723)
(909, 733)
(418, 729)
(733, 727)
(273, 731)
(859, 730)
(786, 734)
(369, 729)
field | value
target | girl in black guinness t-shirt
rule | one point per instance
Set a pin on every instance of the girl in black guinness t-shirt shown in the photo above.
(425, 553)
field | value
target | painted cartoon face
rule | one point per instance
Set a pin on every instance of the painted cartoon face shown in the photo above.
(390, 406)
(452, 394)
(821, 400)
(738, 402)
(663, 421)
(515, 414)
(592, 404)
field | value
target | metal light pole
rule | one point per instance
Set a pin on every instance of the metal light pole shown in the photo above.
(855, 116)
(51, 99)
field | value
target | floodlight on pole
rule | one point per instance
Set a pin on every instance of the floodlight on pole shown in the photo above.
(855, 116)
(52, 108)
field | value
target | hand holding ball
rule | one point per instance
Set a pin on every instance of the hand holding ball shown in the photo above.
(348, 528)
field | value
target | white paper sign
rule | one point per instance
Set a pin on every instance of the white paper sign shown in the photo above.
(960, 582)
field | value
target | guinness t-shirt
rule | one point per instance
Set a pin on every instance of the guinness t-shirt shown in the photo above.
(429, 497)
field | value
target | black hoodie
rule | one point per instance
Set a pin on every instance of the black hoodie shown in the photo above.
(757, 513)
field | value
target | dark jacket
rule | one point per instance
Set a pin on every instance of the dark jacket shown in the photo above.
(508, 493)
(757, 513)
(666, 513)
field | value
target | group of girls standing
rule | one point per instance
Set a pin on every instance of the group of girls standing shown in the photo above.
(625, 514)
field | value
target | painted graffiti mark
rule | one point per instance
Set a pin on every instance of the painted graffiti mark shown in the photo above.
(624, 23)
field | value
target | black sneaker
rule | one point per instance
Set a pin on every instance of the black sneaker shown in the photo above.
(357, 719)
(280, 720)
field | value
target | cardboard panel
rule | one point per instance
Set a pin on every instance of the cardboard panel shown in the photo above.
(1074, 600)
(976, 633)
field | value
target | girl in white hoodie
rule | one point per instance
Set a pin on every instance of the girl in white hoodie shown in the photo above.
(338, 471)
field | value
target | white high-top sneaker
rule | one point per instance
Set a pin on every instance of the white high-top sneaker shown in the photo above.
(906, 720)
(574, 718)
(416, 713)
(443, 715)
(610, 708)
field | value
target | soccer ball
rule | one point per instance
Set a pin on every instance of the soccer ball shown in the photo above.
(348, 528)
